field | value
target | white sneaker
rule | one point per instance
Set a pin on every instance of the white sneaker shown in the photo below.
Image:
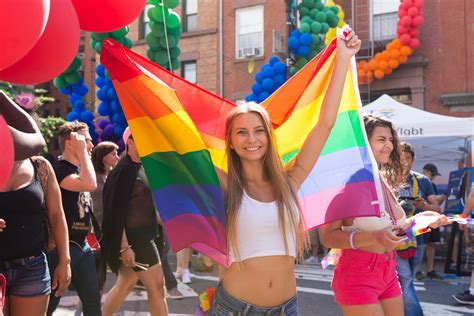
(312, 260)
(185, 276)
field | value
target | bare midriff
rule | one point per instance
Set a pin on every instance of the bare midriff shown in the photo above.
(262, 281)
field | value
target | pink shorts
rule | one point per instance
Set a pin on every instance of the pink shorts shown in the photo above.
(363, 277)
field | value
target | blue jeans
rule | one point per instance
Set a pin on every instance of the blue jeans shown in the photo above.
(225, 305)
(84, 279)
(406, 269)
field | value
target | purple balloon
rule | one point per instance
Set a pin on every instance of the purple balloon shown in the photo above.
(103, 123)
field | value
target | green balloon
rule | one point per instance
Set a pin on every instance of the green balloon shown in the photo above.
(175, 63)
(301, 62)
(313, 12)
(172, 42)
(301, 5)
(92, 42)
(177, 32)
(170, 3)
(127, 42)
(161, 57)
(59, 82)
(153, 2)
(150, 14)
(307, 19)
(324, 27)
(158, 13)
(313, 53)
(293, 70)
(308, 3)
(305, 28)
(72, 77)
(75, 64)
(175, 52)
(316, 39)
(321, 17)
(120, 32)
(333, 21)
(98, 47)
(319, 5)
(158, 29)
(152, 41)
(316, 27)
(334, 9)
(173, 20)
(150, 53)
(99, 37)
(304, 11)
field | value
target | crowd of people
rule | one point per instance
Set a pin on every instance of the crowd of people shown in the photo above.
(91, 210)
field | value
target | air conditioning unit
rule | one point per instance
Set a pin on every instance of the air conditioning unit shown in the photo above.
(249, 51)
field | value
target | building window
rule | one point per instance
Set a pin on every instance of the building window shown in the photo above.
(189, 70)
(190, 15)
(384, 20)
(249, 32)
(145, 29)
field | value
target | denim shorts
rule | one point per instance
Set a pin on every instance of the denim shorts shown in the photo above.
(29, 279)
(225, 305)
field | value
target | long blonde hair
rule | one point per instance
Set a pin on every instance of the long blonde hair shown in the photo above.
(285, 197)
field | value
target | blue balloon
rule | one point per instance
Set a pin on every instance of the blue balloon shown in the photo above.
(80, 90)
(293, 42)
(295, 33)
(306, 39)
(303, 51)
(251, 97)
(279, 68)
(115, 106)
(268, 84)
(72, 116)
(262, 96)
(100, 81)
(111, 94)
(67, 90)
(257, 88)
(273, 60)
(100, 70)
(259, 77)
(74, 97)
(87, 116)
(119, 118)
(267, 71)
(79, 106)
(279, 80)
(104, 109)
(109, 82)
(119, 129)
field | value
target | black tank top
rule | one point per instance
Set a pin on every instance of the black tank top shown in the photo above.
(22, 210)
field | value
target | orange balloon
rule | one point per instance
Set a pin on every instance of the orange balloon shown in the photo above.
(379, 74)
(383, 65)
(370, 76)
(393, 63)
(386, 55)
(405, 50)
(362, 62)
(360, 72)
(389, 46)
(396, 43)
(373, 64)
(388, 71)
(403, 59)
(365, 67)
(394, 53)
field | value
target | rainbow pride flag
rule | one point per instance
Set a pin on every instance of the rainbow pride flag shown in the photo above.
(179, 130)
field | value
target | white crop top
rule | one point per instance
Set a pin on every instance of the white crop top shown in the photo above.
(258, 231)
(377, 223)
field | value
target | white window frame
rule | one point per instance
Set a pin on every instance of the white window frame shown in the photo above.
(191, 13)
(383, 9)
(190, 62)
(248, 52)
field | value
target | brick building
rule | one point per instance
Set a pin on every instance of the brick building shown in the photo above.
(438, 78)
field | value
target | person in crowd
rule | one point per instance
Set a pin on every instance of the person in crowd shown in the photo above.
(261, 279)
(467, 297)
(418, 189)
(130, 226)
(365, 280)
(29, 199)
(314, 239)
(434, 236)
(170, 279)
(182, 266)
(76, 178)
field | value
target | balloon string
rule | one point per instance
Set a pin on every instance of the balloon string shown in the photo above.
(166, 37)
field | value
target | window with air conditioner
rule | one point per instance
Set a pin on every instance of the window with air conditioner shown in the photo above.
(384, 19)
(249, 32)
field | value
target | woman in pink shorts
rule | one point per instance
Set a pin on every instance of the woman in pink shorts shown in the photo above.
(365, 281)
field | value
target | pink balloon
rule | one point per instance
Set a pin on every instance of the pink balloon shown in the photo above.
(107, 15)
(405, 39)
(53, 52)
(414, 43)
(8, 153)
(22, 22)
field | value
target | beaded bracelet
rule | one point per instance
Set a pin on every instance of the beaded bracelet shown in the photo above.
(351, 240)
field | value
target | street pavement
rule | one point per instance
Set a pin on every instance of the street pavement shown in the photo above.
(315, 296)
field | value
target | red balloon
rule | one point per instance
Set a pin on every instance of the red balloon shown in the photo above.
(401, 30)
(419, 4)
(53, 52)
(401, 13)
(406, 20)
(413, 11)
(405, 39)
(8, 153)
(417, 20)
(406, 4)
(107, 15)
(414, 43)
(21, 24)
(414, 33)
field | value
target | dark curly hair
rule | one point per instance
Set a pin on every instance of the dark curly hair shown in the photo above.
(393, 170)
